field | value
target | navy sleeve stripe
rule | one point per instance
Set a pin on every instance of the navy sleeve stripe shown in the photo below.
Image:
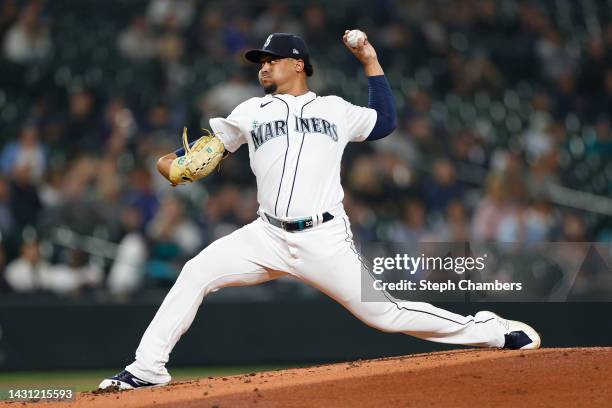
(381, 100)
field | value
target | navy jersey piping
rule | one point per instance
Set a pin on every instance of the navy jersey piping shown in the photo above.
(364, 265)
(285, 159)
(298, 158)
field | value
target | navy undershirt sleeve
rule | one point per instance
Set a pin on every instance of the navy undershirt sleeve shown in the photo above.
(181, 152)
(381, 100)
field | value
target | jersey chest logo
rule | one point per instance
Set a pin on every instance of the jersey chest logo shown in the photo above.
(262, 132)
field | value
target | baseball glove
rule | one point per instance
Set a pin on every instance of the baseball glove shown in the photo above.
(199, 160)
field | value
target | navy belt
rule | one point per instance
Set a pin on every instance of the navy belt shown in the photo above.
(296, 225)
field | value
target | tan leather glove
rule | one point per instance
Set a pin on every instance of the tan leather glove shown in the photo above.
(199, 160)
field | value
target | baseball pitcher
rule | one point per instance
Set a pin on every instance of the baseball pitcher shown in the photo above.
(296, 139)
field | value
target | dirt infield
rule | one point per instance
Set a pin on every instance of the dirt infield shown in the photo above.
(465, 378)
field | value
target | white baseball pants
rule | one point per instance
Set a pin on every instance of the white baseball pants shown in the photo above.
(324, 257)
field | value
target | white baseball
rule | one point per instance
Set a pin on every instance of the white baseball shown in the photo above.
(353, 37)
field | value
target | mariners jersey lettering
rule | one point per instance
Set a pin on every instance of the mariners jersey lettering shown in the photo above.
(262, 132)
(295, 148)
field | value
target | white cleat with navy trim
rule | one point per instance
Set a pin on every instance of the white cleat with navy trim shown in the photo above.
(519, 335)
(126, 381)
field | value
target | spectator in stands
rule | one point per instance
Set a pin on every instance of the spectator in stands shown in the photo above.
(537, 138)
(50, 190)
(28, 40)
(4, 285)
(418, 103)
(27, 152)
(159, 127)
(276, 18)
(181, 11)
(171, 54)
(171, 225)
(363, 219)
(396, 178)
(236, 35)
(221, 99)
(364, 179)
(82, 134)
(212, 215)
(593, 67)
(602, 144)
(7, 224)
(528, 223)
(455, 226)
(566, 99)
(107, 196)
(443, 187)
(137, 42)
(492, 208)
(140, 194)
(117, 128)
(174, 237)
(9, 12)
(207, 36)
(573, 228)
(413, 225)
(127, 272)
(468, 146)
(604, 99)
(480, 75)
(29, 272)
(245, 210)
(555, 56)
(315, 21)
(77, 276)
(542, 174)
(222, 216)
(25, 201)
(77, 209)
(421, 130)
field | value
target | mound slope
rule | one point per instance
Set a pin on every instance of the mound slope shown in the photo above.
(464, 378)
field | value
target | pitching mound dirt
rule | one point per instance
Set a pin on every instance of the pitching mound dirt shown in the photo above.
(465, 378)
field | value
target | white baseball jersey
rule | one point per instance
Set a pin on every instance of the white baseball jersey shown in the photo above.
(295, 148)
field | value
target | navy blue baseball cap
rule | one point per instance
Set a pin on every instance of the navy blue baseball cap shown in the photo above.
(283, 45)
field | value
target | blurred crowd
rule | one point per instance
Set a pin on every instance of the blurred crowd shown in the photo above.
(497, 101)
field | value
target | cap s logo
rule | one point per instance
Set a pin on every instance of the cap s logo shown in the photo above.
(268, 41)
(295, 51)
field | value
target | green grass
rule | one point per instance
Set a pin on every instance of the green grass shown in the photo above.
(87, 380)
